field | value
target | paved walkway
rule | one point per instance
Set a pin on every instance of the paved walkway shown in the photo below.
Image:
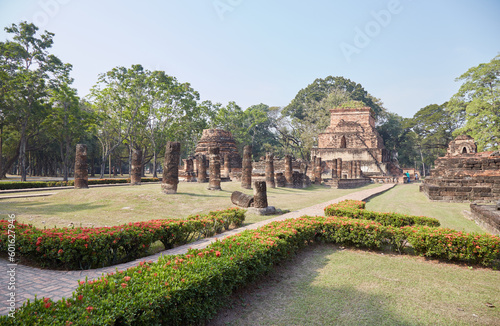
(57, 284)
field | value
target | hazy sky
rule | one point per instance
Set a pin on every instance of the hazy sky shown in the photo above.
(407, 53)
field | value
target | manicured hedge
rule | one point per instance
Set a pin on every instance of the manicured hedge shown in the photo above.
(188, 289)
(356, 209)
(83, 248)
(7, 185)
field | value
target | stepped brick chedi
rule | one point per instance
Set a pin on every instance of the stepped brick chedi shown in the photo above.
(352, 137)
(464, 175)
(224, 141)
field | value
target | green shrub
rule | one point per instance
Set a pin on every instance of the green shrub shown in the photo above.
(356, 209)
(83, 248)
(188, 289)
(8, 185)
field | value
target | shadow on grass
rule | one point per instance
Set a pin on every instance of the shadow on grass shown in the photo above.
(292, 294)
(50, 208)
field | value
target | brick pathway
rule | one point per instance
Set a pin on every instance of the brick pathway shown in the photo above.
(57, 284)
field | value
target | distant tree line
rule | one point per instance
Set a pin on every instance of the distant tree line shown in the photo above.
(42, 117)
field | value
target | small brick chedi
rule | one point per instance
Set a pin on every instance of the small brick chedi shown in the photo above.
(224, 141)
(464, 175)
(351, 147)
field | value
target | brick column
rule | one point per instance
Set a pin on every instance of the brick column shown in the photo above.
(171, 167)
(214, 179)
(227, 169)
(317, 171)
(246, 173)
(189, 170)
(202, 168)
(288, 171)
(259, 194)
(339, 168)
(81, 172)
(270, 170)
(334, 169)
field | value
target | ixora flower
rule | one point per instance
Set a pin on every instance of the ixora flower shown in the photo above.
(127, 278)
(89, 308)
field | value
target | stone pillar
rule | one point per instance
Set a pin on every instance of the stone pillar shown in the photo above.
(339, 168)
(288, 171)
(259, 194)
(334, 169)
(189, 170)
(317, 171)
(313, 169)
(280, 180)
(171, 167)
(358, 169)
(246, 173)
(227, 169)
(214, 158)
(136, 172)
(270, 170)
(202, 168)
(81, 172)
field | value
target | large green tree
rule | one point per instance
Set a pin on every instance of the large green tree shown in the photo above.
(477, 102)
(66, 122)
(27, 69)
(309, 111)
(433, 128)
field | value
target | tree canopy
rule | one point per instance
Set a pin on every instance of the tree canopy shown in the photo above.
(477, 102)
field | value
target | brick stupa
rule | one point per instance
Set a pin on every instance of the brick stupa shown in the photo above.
(222, 139)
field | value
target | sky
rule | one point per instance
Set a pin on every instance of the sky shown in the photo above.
(407, 53)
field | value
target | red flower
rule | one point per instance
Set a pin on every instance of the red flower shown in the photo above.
(89, 308)
(217, 253)
(48, 304)
(82, 282)
(126, 278)
(124, 285)
(80, 297)
(46, 300)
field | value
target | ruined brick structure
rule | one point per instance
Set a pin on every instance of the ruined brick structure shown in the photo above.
(353, 138)
(224, 141)
(463, 175)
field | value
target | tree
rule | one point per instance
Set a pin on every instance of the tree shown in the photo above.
(321, 88)
(433, 126)
(477, 102)
(27, 68)
(67, 122)
(398, 139)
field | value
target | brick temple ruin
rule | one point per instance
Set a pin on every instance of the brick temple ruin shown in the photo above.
(224, 141)
(352, 152)
(464, 175)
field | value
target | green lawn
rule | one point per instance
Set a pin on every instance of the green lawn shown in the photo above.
(107, 206)
(330, 285)
(407, 199)
(326, 285)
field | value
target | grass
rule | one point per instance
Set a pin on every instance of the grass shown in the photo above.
(326, 285)
(106, 206)
(406, 199)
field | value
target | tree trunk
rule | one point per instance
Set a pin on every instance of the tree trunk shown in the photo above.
(22, 155)
(155, 175)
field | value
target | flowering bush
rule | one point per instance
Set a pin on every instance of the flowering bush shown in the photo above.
(453, 245)
(5, 185)
(188, 289)
(356, 209)
(83, 248)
